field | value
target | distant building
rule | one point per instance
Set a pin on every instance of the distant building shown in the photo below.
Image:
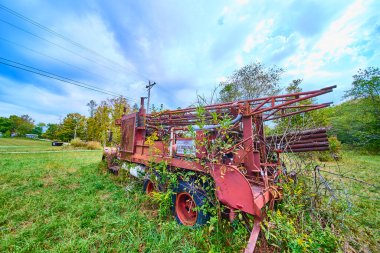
(31, 136)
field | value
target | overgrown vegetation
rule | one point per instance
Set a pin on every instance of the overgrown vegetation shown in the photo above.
(92, 145)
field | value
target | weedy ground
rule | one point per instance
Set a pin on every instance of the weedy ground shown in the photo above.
(65, 202)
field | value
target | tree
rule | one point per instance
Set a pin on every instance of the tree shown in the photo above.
(51, 132)
(251, 81)
(92, 107)
(73, 125)
(117, 107)
(5, 126)
(38, 129)
(21, 125)
(366, 84)
(312, 119)
(294, 86)
(357, 121)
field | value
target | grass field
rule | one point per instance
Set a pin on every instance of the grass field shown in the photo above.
(363, 219)
(64, 202)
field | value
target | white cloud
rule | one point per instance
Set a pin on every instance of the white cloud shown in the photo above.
(239, 60)
(260, 35)
(242, 2)
(318, 60)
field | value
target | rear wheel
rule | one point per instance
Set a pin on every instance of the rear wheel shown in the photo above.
(148, 186)
(189, 204)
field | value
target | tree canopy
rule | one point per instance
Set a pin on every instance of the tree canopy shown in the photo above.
(251, 81)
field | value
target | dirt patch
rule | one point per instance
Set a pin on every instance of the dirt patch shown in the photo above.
(48, 180)
(26, 224)
(73, 186)
(35, 193)
(72, 170)
(105, 196)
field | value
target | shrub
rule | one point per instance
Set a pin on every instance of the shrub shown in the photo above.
(77, 142)
(93, 145)
(334, 153)
(335, 146)
(300, 222)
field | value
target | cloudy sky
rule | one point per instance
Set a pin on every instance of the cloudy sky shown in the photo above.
(184, 46)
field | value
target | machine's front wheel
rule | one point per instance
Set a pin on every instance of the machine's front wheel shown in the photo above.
(189, 205)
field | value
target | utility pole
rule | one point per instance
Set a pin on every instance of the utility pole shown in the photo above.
(149, 86)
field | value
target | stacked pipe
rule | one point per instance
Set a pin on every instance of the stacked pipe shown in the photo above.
(302, 141)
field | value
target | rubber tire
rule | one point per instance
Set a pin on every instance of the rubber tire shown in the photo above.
(199, 197)
(160, 188)
(145, 185)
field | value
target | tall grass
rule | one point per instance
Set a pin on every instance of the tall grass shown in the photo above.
(91, 145)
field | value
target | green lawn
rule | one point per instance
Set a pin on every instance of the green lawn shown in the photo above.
(65, 202)
(23, 145)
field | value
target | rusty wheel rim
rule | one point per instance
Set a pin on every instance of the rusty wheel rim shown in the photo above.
(184, 207)
(149, 187)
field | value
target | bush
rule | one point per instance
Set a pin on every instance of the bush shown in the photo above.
(300, 223)
(78, 143)
(335, 146)
(93, 145)
(334, 153)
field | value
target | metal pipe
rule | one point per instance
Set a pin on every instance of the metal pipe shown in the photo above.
(171, 142)
(209, 127)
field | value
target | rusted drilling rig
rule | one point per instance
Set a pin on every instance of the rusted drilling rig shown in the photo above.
(245, 175)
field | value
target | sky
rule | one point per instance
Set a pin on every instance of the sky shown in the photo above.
(186, 47)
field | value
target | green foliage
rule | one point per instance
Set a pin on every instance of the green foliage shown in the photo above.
(251, 81)
(297, 225)
(335, 147)
(357, 121)
(307, 120)
(20, 125)
(354, 123)
(5, 125)
(73, 125)
(366, 84)
(103, 120)
(51, 132)
(38, 129)
(334, 153)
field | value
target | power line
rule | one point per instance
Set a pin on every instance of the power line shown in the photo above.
(55, 44)
(69, 64)
(54, 76)
(67, 39)
(54, 58)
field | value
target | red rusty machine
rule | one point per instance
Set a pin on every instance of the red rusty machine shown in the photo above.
(245, 174)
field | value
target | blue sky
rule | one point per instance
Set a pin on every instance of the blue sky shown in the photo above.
(186, 47)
